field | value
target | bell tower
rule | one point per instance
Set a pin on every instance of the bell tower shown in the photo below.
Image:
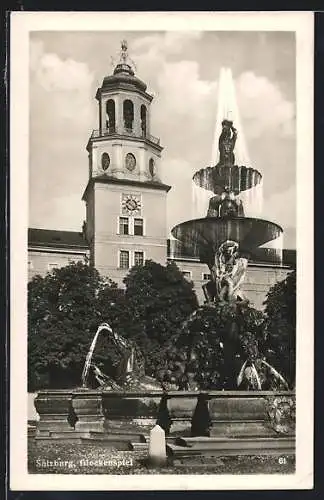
(125, 197)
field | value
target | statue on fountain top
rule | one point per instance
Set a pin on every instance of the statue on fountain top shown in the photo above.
(226, 143)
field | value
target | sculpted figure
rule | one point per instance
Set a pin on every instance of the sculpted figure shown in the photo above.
(228, 206)
(227, 272)
(225, 205)
(130, 373)
(226, 143)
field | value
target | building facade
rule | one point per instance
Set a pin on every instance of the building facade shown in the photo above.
(126, 199)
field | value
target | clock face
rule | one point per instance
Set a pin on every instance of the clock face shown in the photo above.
(131, 204)
(130, 162)
(105, 161)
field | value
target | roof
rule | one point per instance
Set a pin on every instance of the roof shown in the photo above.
(57, 239)
(124, 76)
(105, 179)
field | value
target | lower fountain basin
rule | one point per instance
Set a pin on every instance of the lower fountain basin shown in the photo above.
(231, 413)
(204, 236)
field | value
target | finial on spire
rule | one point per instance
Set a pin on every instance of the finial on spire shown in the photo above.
(125, 63)
(124, 55)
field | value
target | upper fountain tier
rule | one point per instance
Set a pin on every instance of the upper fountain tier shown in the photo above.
(226, 175)
(227, 170)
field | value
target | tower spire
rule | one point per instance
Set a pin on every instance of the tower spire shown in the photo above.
(125, 63)
(123, 53)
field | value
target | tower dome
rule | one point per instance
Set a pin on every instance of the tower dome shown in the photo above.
(123, 73)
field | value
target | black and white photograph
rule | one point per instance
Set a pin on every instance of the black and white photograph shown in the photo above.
(161, 221)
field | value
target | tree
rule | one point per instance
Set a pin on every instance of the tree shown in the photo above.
(280, 325)
(65, 308)
(214, 343)
(159, 299)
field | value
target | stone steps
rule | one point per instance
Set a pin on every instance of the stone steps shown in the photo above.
(133, 446)
(113, 436)
(239, 428)
(143, 444)
(66, 436)
(211, 446)
(118, 440)
(202, 441)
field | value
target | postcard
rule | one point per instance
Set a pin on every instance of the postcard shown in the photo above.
(161, 261)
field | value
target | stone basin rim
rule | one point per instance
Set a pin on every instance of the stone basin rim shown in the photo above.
(219, 220)
(171, 394)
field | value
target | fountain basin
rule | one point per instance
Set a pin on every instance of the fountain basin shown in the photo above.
(232, 413)
(236, 178)
(204, 236)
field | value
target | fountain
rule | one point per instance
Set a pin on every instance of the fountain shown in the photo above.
(224, 240)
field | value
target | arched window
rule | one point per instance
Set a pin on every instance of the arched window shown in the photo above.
(110, 115)
(143, 120)
(151, 167)
(128, 110)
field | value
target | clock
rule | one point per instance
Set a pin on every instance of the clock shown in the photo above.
(105, 161)
(130, 162)
(131, 204)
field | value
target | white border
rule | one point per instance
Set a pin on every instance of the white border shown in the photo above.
(21, 24)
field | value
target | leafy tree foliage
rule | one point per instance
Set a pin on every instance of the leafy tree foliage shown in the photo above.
(159, 299)
(213, 345)
(68, 304)
(219, 337)
(64, 310)
(280, 325)
(183, 344)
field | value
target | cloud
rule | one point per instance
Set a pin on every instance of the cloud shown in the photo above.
(281, 207)
(70, 205)
(184, 91)
(65, 85)
(182, 109)
(174, 170)
(183, 113)
(263, 106)
(53, 73)
(61, 110)
(161, 44)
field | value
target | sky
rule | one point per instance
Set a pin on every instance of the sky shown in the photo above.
(181, 70)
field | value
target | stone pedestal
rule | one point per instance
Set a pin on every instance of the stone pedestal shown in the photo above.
(55, 411)
(132, 411)
(181, 409)
(235, 416)
(232, 414)
(89, 411)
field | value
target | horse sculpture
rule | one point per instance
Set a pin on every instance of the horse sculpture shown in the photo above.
(130, 373)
